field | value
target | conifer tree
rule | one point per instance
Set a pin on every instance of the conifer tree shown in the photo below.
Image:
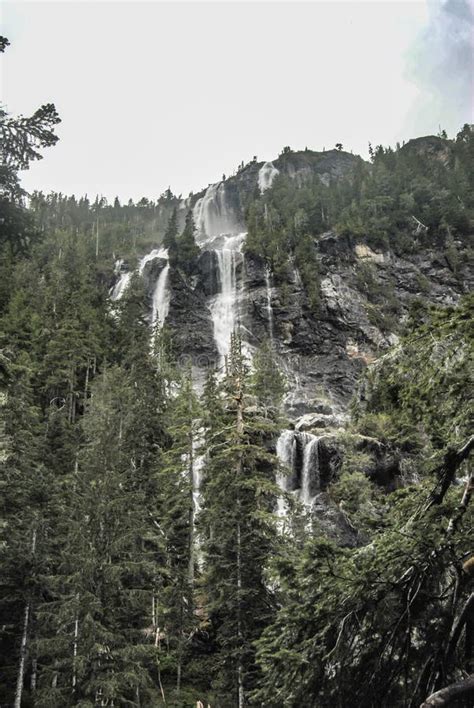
(28, 510)
(188, 250)
(178, 485)
(108, 591)
(267, 381)
(171, 235)
(237, 527)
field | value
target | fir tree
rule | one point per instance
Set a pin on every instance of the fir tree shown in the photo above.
(178, 484)
(29, 506)
(108, 590)
(171, 234)
(188, 250)
(237, 529)
(267, 381)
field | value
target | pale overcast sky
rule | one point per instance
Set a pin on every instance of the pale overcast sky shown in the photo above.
(153, 94)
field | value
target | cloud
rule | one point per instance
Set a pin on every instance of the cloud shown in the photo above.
(441, 64)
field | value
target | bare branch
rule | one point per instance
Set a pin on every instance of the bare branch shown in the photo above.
(457, 629)
(446, 695)
(446, 472)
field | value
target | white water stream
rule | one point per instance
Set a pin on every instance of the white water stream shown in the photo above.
(219, 230)
(286, 453)
(303, 477)
(268, 284)
(161, 294)
(161, 298)
(120, 286)
(310, 466)
(266, 175)
(224, 306)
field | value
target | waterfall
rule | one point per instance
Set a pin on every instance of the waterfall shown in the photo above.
(268, 283)
(286, 453)
(213, 216)
(198, 466)
(298, 452)
(161, 298)
(266, 175)
(223, 308)
(219, 230)
(155, 253)
(120, 286)
(310, 467)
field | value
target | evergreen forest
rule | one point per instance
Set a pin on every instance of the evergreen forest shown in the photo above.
(153, 550)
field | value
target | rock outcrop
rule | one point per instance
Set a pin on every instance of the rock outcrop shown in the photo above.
(365, 296)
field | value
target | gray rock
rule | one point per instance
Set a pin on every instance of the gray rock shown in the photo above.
(333, 521)
(190, 322)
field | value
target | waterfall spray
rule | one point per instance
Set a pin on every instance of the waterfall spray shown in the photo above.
(268, 284)
(161, 298)
(266, 175)
(286, 453)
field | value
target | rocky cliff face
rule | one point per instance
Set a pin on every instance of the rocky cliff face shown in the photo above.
(323, 348)
(300, 166)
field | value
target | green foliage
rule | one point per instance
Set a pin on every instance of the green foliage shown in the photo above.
(361, 632)
(267, 381)
(116, 588)
(419, 195)
(112, 559)
(125, 230)
(177, 480)
(379, 426)
(237, 531)
(187, 250)
(170, 238)
(360, 500)
(21, 141)
(375, 625)
(435, 405)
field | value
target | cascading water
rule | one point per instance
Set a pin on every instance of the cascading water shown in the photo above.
(298, 453)
(310, 471)
(268, 284)
(213, 216)
(120, 286)
(155, 253)
(223, 308)
(219, 230)
(161, 298)
(266, 175)
(286, 453)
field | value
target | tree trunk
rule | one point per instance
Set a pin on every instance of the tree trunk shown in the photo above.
(240, 671)
(21, 666)
(86, 384)
(34, 672)
(74, 651)
(464, 617)
(446, 695)
(178, 676)
(24, 640)
(446, 472)
(192, 510)
(240, 434)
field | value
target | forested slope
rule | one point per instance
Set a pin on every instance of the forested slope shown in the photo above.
(159, 544)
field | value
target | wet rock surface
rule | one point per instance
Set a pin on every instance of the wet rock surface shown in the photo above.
(190, 322)
(334, 523)
(365, 296)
